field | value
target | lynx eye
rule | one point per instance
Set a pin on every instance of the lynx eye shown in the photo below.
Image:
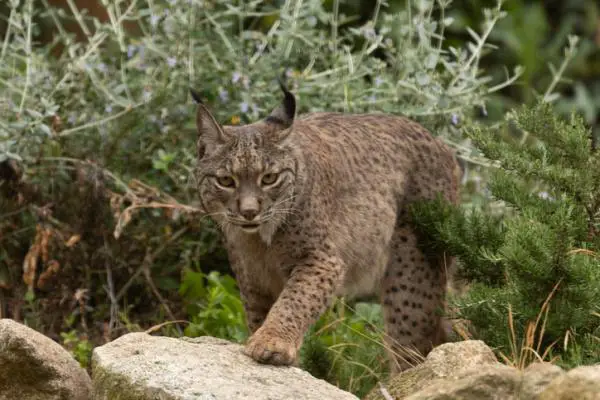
(269, 179)
(226, 181)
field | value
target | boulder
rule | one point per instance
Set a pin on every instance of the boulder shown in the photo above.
(489, 382)
(445, 361)
(34, 367)
(139, 366)
(469, 371)
(581, 383)
(536, 377)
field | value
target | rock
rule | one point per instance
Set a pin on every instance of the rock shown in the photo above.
(139, 366)
(489, 382)
(446, 360)
(536, 377)
(581, 383)
(34, 367)
(469, 371)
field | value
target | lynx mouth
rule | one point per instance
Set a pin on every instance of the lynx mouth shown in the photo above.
(249, 228)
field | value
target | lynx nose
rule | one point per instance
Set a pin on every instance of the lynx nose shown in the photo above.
(249, 214)
(249, 207)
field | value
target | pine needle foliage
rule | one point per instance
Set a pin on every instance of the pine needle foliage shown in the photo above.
(545, 241)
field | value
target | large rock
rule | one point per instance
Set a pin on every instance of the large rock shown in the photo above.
(139, 366)
(469, 371)
(497, 381)
(490, 382)
(34, 367)
(536, 377)
(445, 361)
(581, 383)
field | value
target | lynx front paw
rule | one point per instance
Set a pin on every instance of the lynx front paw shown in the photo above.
(267, 347)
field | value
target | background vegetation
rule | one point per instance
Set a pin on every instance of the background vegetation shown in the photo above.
(99, 234)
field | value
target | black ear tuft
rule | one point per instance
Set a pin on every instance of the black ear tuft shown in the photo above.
(196, 96)
(289, 101)
(284, 114)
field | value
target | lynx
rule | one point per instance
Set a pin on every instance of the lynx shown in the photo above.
(315, 207)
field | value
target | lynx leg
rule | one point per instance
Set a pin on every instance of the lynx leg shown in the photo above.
(256, 306)
(413, 298)
(256, 300)
(306, 295)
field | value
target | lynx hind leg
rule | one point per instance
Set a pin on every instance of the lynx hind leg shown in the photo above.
(413, 296)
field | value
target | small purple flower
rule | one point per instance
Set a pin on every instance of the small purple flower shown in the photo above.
(289, 72)
(369, 33)
(108, 109)
(224, 95)
(154, 20)
(102, 67)
(130, 50)
(378, 81)
(235, 77)
(312, 21)
(146, 95)
(454, 119)
(171, 61)
(244, 107)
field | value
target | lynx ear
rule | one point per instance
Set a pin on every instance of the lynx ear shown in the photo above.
(284, 114)
(210, 133)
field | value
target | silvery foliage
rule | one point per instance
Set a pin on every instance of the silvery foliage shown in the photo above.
(97, 85)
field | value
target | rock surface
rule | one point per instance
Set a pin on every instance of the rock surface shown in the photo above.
(445, 361)
(536, 377)
(498, 382)
(469, 371)
(34, 367)
(138, 366)
(581, 383)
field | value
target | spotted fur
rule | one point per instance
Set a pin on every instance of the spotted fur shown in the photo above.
(334, 223)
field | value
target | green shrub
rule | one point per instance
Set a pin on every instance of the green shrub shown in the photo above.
(535, 271)
(345, 347)
(81, 348)
(214, 305)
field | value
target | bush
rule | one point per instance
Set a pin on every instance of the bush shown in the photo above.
(535, 270)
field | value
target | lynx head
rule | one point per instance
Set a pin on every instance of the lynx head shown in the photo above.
(247, 174)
